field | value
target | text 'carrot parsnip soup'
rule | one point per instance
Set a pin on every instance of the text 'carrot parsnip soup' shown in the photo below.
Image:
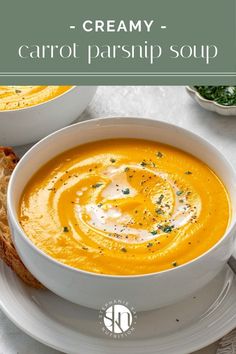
(124, 207)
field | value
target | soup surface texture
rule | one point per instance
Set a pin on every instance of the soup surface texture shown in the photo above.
(17, 97)
(124, 207)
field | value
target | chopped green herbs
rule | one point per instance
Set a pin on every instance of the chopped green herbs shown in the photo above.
(143, 163)
(159, 211)
(174, 264)
(160, 199)
(167, 229)
(123, 249)
(65, 229)
(159, 154)
(126, 169)
(223, 95)
(179, 193)
(154, 232)
(150, 244)
(112, 160)
(97, 185)
(126, 191)
(188, 173)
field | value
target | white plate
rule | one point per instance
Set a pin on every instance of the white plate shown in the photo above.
(177, 329)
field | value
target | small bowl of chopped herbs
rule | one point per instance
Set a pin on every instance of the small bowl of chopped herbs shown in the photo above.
(220, 99)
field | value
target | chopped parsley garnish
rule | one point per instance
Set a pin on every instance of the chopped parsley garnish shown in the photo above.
(126, 169)
(159, 211)
(100, 205)
(112, 160)
(160, 199)
(179, 193)
(223, 95)
(188, 173)
(96, 185)
(174, 264)
(143, 163)
(159, 154)
(123, 249)
(126, 191)
(167, 229)
(65, 229)
(154, 232)
(150, 244)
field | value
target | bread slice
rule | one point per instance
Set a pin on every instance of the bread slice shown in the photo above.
(8, 254)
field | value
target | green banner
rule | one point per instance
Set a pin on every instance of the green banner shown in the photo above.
(118, 42)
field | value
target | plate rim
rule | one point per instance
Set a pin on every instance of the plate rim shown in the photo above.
(24, 328)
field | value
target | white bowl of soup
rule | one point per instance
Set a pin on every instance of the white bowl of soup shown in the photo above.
(123, 208)
(29, 113)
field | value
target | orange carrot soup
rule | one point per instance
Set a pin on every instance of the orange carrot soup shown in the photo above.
(18, 97)
(124, 207)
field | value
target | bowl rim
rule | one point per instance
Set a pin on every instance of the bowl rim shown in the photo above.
(192, 89)
(38, 104)
(12, 213)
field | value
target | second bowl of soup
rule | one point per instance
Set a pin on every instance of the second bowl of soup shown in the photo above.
(29, 113)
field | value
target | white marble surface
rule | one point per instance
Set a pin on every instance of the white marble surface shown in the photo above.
(169, 103)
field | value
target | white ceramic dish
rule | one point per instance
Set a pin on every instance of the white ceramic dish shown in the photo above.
(211, 105)
(27, 125)
(203, 318)
(145, 292)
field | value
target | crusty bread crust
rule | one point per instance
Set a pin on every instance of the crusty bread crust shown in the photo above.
(8, 254)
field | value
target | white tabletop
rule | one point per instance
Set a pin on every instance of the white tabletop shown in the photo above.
(167, 103)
